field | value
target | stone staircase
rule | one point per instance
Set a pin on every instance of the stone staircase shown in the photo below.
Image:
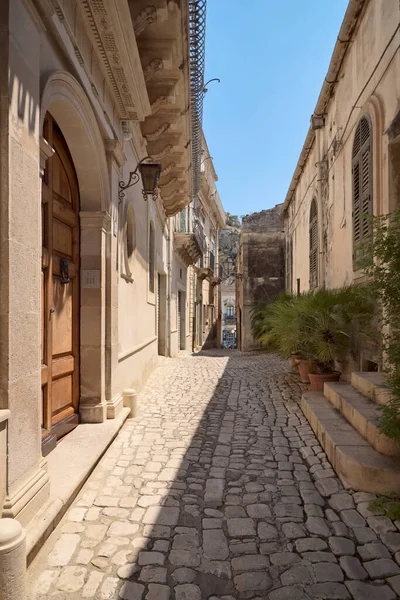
(344, 419)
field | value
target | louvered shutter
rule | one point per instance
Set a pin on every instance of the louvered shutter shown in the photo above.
(313, 231)
(362, 187)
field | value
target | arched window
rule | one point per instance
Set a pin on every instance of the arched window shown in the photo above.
(313, 229)
(151, 258)
(362, 186)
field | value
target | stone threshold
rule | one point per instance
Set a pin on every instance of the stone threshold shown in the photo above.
(69, 466)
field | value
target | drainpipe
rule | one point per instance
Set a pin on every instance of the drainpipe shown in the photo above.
(169, 284)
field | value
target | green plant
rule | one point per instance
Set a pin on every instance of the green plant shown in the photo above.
(319, 325)
(387, 505)
(274, 325)
(382, 264)
(330, 320)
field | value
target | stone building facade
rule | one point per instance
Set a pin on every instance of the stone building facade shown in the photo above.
(196, 242)
(92, 283)
(349, 167)
(260, 268)
(228, 301)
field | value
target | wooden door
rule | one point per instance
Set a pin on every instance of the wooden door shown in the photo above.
(60, 291)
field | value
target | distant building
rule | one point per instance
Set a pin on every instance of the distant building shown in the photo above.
(228, 298)
(260, 268)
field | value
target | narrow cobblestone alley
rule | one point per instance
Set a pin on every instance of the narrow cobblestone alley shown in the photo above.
(218, 490)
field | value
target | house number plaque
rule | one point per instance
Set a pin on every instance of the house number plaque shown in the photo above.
(91, 279)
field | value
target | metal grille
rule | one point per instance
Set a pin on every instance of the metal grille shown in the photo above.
(197, 34)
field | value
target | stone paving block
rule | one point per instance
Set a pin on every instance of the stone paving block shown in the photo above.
(253, 582)
(352, 518)
(394, 583)
(381, 524)
(381, 567)
(328, 487)
(241, 527)
(366, 591)
(328, 572)
(329, 591)
(187, 591)
(250, 562)
(131, 591)
(297, 575)
(318, 526)
(392, 541)
(258, 511)
(373, 550)
(284, 558)
(158, 592)
(215, 545)
(353, 568)
(293, 530)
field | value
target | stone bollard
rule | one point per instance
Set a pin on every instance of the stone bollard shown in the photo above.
(12, 560)
(129, 397)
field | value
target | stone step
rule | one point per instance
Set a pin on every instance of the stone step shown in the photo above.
(356, 462)
(372, 385)
(362, 413)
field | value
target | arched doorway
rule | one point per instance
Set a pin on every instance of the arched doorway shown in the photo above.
(60, 290)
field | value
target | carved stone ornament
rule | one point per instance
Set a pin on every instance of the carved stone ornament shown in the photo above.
(158, 103)
(164, 152)
(169, 182)
(153, 66)
(152, 137)
(99, 20)
(172, 194)
(58, 10)
(168, 168)
(146, 17)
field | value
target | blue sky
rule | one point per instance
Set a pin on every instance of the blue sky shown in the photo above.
(271, 57)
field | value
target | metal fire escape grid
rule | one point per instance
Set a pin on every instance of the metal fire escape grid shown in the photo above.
(197, 34)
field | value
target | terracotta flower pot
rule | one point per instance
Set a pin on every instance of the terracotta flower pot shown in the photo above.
(294, 359)
(317, 380)
(305, 366)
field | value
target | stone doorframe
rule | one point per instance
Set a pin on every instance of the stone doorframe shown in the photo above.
(66, 101)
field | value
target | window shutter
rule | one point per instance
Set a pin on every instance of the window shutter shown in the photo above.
(362, 187)
(313, 233)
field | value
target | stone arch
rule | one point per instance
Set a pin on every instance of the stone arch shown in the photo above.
(66, 101)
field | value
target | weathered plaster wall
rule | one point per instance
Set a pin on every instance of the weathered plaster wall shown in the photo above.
(368, 84)
(261, 266)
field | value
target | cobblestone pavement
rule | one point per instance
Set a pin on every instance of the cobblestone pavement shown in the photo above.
(218, 490)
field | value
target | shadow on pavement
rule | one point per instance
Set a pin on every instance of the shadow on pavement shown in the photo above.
(195, 495)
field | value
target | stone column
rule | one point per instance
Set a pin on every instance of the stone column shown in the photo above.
(12, 560)
(95, 227)
(115, 159)
(27, 486)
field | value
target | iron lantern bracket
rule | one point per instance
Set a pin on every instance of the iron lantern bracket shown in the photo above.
(134, 177)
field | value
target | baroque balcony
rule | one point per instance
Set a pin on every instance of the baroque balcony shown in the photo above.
(217, 278)
(190, 245)
(206, 268)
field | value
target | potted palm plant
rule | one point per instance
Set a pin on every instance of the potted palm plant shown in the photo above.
(316, 329)
(328, 319)
(276, 325)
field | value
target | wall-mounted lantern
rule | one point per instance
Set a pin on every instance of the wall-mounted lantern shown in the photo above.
(149, 172)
